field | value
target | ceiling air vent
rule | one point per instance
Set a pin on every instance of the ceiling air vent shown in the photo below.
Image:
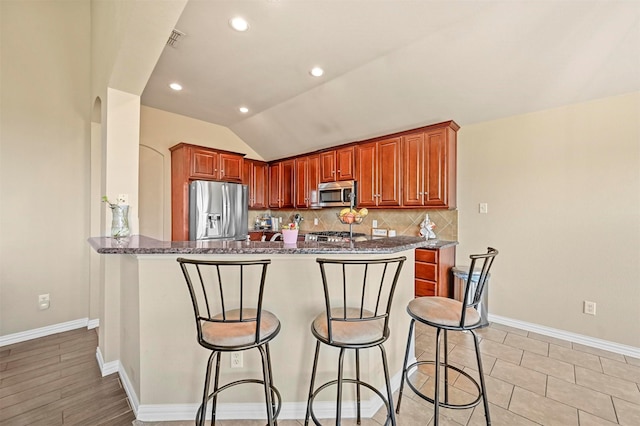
(174, 37)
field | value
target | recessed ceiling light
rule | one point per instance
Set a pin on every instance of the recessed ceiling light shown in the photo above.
(316, 72)
(175, 86)
(239, 24)
(243, 110)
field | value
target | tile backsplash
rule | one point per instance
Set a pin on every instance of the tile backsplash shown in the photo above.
(403, 221)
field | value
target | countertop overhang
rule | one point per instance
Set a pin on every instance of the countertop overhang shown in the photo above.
(140, 245)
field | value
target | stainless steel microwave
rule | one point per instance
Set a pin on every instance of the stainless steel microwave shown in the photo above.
(336, 194)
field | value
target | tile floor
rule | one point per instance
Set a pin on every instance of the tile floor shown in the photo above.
(531, 380)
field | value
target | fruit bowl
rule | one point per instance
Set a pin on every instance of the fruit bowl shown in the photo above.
(349, 218)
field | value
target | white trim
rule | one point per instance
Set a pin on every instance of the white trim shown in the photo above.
(566, 335)
(248, 411)
(23, 336)
(94, 323)
(107, 368)
(129, 390)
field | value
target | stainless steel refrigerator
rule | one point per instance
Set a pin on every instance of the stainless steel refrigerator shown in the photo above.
(218, 210)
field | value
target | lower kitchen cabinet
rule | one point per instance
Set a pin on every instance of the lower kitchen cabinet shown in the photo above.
(433, 270)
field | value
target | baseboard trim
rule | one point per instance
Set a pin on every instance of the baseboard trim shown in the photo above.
(256, 411)
(107, 368)
(94, 323)
(128, 389)
(23, 336)
(566, 335)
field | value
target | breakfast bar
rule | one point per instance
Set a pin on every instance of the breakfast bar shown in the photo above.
(147, 324)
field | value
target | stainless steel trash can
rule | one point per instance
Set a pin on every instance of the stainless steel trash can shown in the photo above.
(460, 277)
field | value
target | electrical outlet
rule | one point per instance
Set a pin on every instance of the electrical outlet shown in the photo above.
(43, 302)
(123, 199)
(589, 308)
(315, 221)
(483, 208)
(374, 223)
(236, 359)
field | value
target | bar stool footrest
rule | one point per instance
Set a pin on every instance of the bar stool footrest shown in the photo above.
(443, 404)
(242, 382)
(354, 381)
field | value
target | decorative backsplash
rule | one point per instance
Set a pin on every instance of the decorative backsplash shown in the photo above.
(403, 221)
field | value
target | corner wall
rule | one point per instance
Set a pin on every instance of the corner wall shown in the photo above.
(563, 191)
(44, 162)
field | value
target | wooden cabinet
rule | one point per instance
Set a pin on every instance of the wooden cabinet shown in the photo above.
(211, 164)
(256, 176)
(281, 179)
(337, 164)
(378, 173)
(307, 177)
(433, 271)
(429, 167)
(192, 162)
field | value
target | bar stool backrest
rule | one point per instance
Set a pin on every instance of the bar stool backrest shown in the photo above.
(225, 291)
(476, 283)
(359, 290)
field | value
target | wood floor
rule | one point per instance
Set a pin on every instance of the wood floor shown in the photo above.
(55, 380)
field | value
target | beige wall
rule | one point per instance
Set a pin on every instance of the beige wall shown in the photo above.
(563, 191)
(44, 152)
(160, 130)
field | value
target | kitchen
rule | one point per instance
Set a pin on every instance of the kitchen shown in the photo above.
(546, 204)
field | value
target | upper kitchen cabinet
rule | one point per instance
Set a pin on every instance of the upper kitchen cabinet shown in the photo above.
(378, 173)
(281, 178)
(256, 177)
(429, 167)
(206, 163)
(307, 177)
(337, 164)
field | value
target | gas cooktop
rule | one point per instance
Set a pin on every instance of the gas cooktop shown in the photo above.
(331, 236)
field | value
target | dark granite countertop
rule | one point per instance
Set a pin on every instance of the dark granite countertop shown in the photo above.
(139, 244)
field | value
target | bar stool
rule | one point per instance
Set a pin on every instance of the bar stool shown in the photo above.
(227, 303)
(448, 314)
(358, 296)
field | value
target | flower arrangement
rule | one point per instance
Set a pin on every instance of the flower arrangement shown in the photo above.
(106, 200)
(291, 226)
(120, 219)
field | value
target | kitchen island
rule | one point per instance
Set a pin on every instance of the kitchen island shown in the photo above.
(147, 327)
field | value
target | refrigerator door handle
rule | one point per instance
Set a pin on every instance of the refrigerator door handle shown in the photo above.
(225, 213)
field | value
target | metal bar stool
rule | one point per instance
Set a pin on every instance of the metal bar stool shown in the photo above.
(227, 303)
(358, 296)
(448, 314)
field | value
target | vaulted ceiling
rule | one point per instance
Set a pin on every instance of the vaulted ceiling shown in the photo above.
(390, 65)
